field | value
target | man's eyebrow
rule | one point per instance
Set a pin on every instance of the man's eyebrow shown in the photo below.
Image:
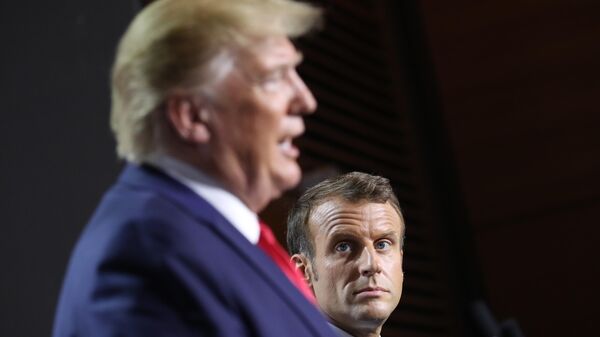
(299, 57)
(390, 233)
(336, 231)
(288, 65)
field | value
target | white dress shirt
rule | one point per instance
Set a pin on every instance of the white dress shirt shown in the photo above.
(230, 206)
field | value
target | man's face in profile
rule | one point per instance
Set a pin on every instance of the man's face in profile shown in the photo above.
(357, 270)
(258, 114)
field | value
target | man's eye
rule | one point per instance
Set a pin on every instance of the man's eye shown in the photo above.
(382, 245)
(342, 247)
(272, 79)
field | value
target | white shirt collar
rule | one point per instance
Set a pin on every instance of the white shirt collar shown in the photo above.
(230, 206)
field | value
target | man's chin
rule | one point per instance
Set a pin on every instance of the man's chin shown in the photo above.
(374, 312)
(289, 178)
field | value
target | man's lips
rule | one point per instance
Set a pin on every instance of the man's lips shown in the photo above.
(288, 149)
(285, 143)
(370, 291)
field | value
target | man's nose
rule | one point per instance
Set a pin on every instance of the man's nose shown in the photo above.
(369, 262)
(304, 101)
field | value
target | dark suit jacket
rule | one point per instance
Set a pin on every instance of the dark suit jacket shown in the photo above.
(158, 260)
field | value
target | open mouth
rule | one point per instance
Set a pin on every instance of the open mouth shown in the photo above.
(287, 148)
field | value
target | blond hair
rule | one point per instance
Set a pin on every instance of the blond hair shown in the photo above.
(171, 44)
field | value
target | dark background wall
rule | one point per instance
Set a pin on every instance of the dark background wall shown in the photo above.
(57, 152)
(482, 113)
(519, 83)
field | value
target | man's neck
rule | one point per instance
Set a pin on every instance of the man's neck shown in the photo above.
(359, 332)
(230, 177)
(226, 203)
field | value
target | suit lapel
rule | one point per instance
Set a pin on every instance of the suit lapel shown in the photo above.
(151, 178)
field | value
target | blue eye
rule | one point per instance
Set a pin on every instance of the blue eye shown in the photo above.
(382, 245)
(342, 247)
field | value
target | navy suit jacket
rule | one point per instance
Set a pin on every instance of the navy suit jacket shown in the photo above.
(158, 260)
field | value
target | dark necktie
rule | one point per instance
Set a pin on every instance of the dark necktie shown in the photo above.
(268, 243)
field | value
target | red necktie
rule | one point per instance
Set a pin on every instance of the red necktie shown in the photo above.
(268, 243)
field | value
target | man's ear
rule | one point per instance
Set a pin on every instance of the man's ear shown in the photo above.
(302, 263)
(188, 118)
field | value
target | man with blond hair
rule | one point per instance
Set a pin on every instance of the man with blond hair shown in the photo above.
(206, 103)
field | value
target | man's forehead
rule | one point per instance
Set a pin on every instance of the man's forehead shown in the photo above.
(270, 51)
(337, 214)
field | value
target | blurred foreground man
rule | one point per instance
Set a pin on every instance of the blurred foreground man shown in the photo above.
(346, 235)
(206, 103)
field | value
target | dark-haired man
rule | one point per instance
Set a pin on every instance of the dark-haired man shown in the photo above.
(346, 235)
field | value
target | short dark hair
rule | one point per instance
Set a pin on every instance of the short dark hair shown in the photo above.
(351, 187)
